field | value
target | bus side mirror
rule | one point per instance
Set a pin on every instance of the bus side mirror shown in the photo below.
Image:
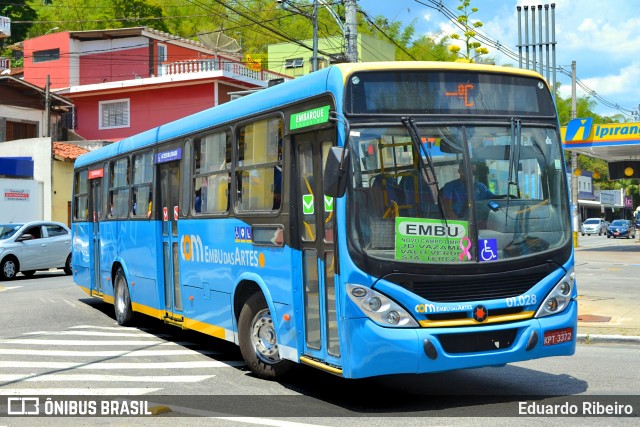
(334, 182)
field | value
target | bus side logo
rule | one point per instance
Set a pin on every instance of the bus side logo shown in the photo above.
(192, 249)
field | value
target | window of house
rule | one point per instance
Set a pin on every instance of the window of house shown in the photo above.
(46, 55)
(162, 57)
(211, 180)
(293, 63)
(259, 166)
(81, 198)
(114, 114)
(119, 188)
(142, 181)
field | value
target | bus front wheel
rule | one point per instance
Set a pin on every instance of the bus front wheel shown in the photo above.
(122, 301)
(258, 340)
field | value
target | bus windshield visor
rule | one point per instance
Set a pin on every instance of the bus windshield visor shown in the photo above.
(409, 200)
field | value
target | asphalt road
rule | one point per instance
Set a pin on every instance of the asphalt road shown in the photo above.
(56, 341)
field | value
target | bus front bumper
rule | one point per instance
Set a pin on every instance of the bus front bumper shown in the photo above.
(374, 350)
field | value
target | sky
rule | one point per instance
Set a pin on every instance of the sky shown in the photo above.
(602, 36)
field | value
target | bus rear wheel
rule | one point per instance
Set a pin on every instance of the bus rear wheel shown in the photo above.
(258, 340)
(122, 301)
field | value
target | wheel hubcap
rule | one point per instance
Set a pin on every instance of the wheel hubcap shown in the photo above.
(263, 337)
(9, 269)
(119, 297)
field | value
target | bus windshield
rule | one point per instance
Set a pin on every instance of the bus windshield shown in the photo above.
(409, 201)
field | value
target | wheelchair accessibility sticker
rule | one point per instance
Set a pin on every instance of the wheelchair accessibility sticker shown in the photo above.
(488, 249)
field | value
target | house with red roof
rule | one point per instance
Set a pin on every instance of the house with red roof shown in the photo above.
(128, 80)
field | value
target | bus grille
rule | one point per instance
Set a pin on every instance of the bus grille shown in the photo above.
(477, 341)
(474, 288)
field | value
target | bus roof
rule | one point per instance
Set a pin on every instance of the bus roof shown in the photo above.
(331, 79)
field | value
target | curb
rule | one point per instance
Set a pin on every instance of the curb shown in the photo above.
(597, 339)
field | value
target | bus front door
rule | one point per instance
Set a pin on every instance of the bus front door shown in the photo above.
(95, 209)
(316, 224)
(168, 206)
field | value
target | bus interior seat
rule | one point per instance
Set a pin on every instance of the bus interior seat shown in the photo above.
(425, 206)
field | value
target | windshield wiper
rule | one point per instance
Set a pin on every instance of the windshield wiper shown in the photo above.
(432, 180)
(514, 160)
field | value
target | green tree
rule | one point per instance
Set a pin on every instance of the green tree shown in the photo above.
(473, 49)
(17, 10)
(136, 13)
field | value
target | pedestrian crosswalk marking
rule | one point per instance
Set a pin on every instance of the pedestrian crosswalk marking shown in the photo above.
(79, 391)
(85, 342)
(106, 353)
(116, 365)
(93, 334)
(104, 378)
(121, 355)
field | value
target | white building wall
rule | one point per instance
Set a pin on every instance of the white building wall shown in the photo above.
(21, 200)
(39, 149)
(21, 114)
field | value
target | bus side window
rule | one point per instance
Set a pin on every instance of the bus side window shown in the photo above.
(211, 181)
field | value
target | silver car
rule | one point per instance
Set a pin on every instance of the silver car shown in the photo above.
(32, 246)
(594, 226)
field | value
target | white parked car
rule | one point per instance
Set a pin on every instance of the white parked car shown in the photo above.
(32, 246)
(594, 226)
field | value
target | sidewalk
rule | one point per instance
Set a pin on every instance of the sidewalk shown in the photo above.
(609, 319)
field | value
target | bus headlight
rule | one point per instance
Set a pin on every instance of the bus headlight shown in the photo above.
(558, 299)
(379, 308)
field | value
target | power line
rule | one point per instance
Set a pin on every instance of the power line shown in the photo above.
(363, 13)
(451, 16)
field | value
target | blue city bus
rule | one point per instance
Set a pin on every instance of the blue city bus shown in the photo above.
(212, 223)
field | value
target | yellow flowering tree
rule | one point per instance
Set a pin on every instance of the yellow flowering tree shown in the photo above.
(472, 48)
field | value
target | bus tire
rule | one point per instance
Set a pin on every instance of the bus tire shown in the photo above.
(121, 299)
(258, 341)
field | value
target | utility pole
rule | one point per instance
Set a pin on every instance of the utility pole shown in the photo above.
(47, 108)
(314, 18)
(351, 33)
(291, 7)
(574, 162)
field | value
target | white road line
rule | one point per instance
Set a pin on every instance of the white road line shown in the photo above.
(86, 343)
(105, 353)
(6, 288)
(115, 365)
(77, 391)
(231, 418)
(109, 328)
(69, 302)
(39, 378)
(91, 334)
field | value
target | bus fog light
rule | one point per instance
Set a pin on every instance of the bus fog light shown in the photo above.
(358, 292)
(375, 304)
(393, 317)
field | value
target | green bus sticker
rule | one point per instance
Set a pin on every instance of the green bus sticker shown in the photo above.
(307, 204)
(328, 204)
(432, 240)
(309, 118)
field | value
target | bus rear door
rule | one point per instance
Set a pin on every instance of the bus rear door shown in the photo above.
(316, 225)
(168, 173)
(95, 209)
